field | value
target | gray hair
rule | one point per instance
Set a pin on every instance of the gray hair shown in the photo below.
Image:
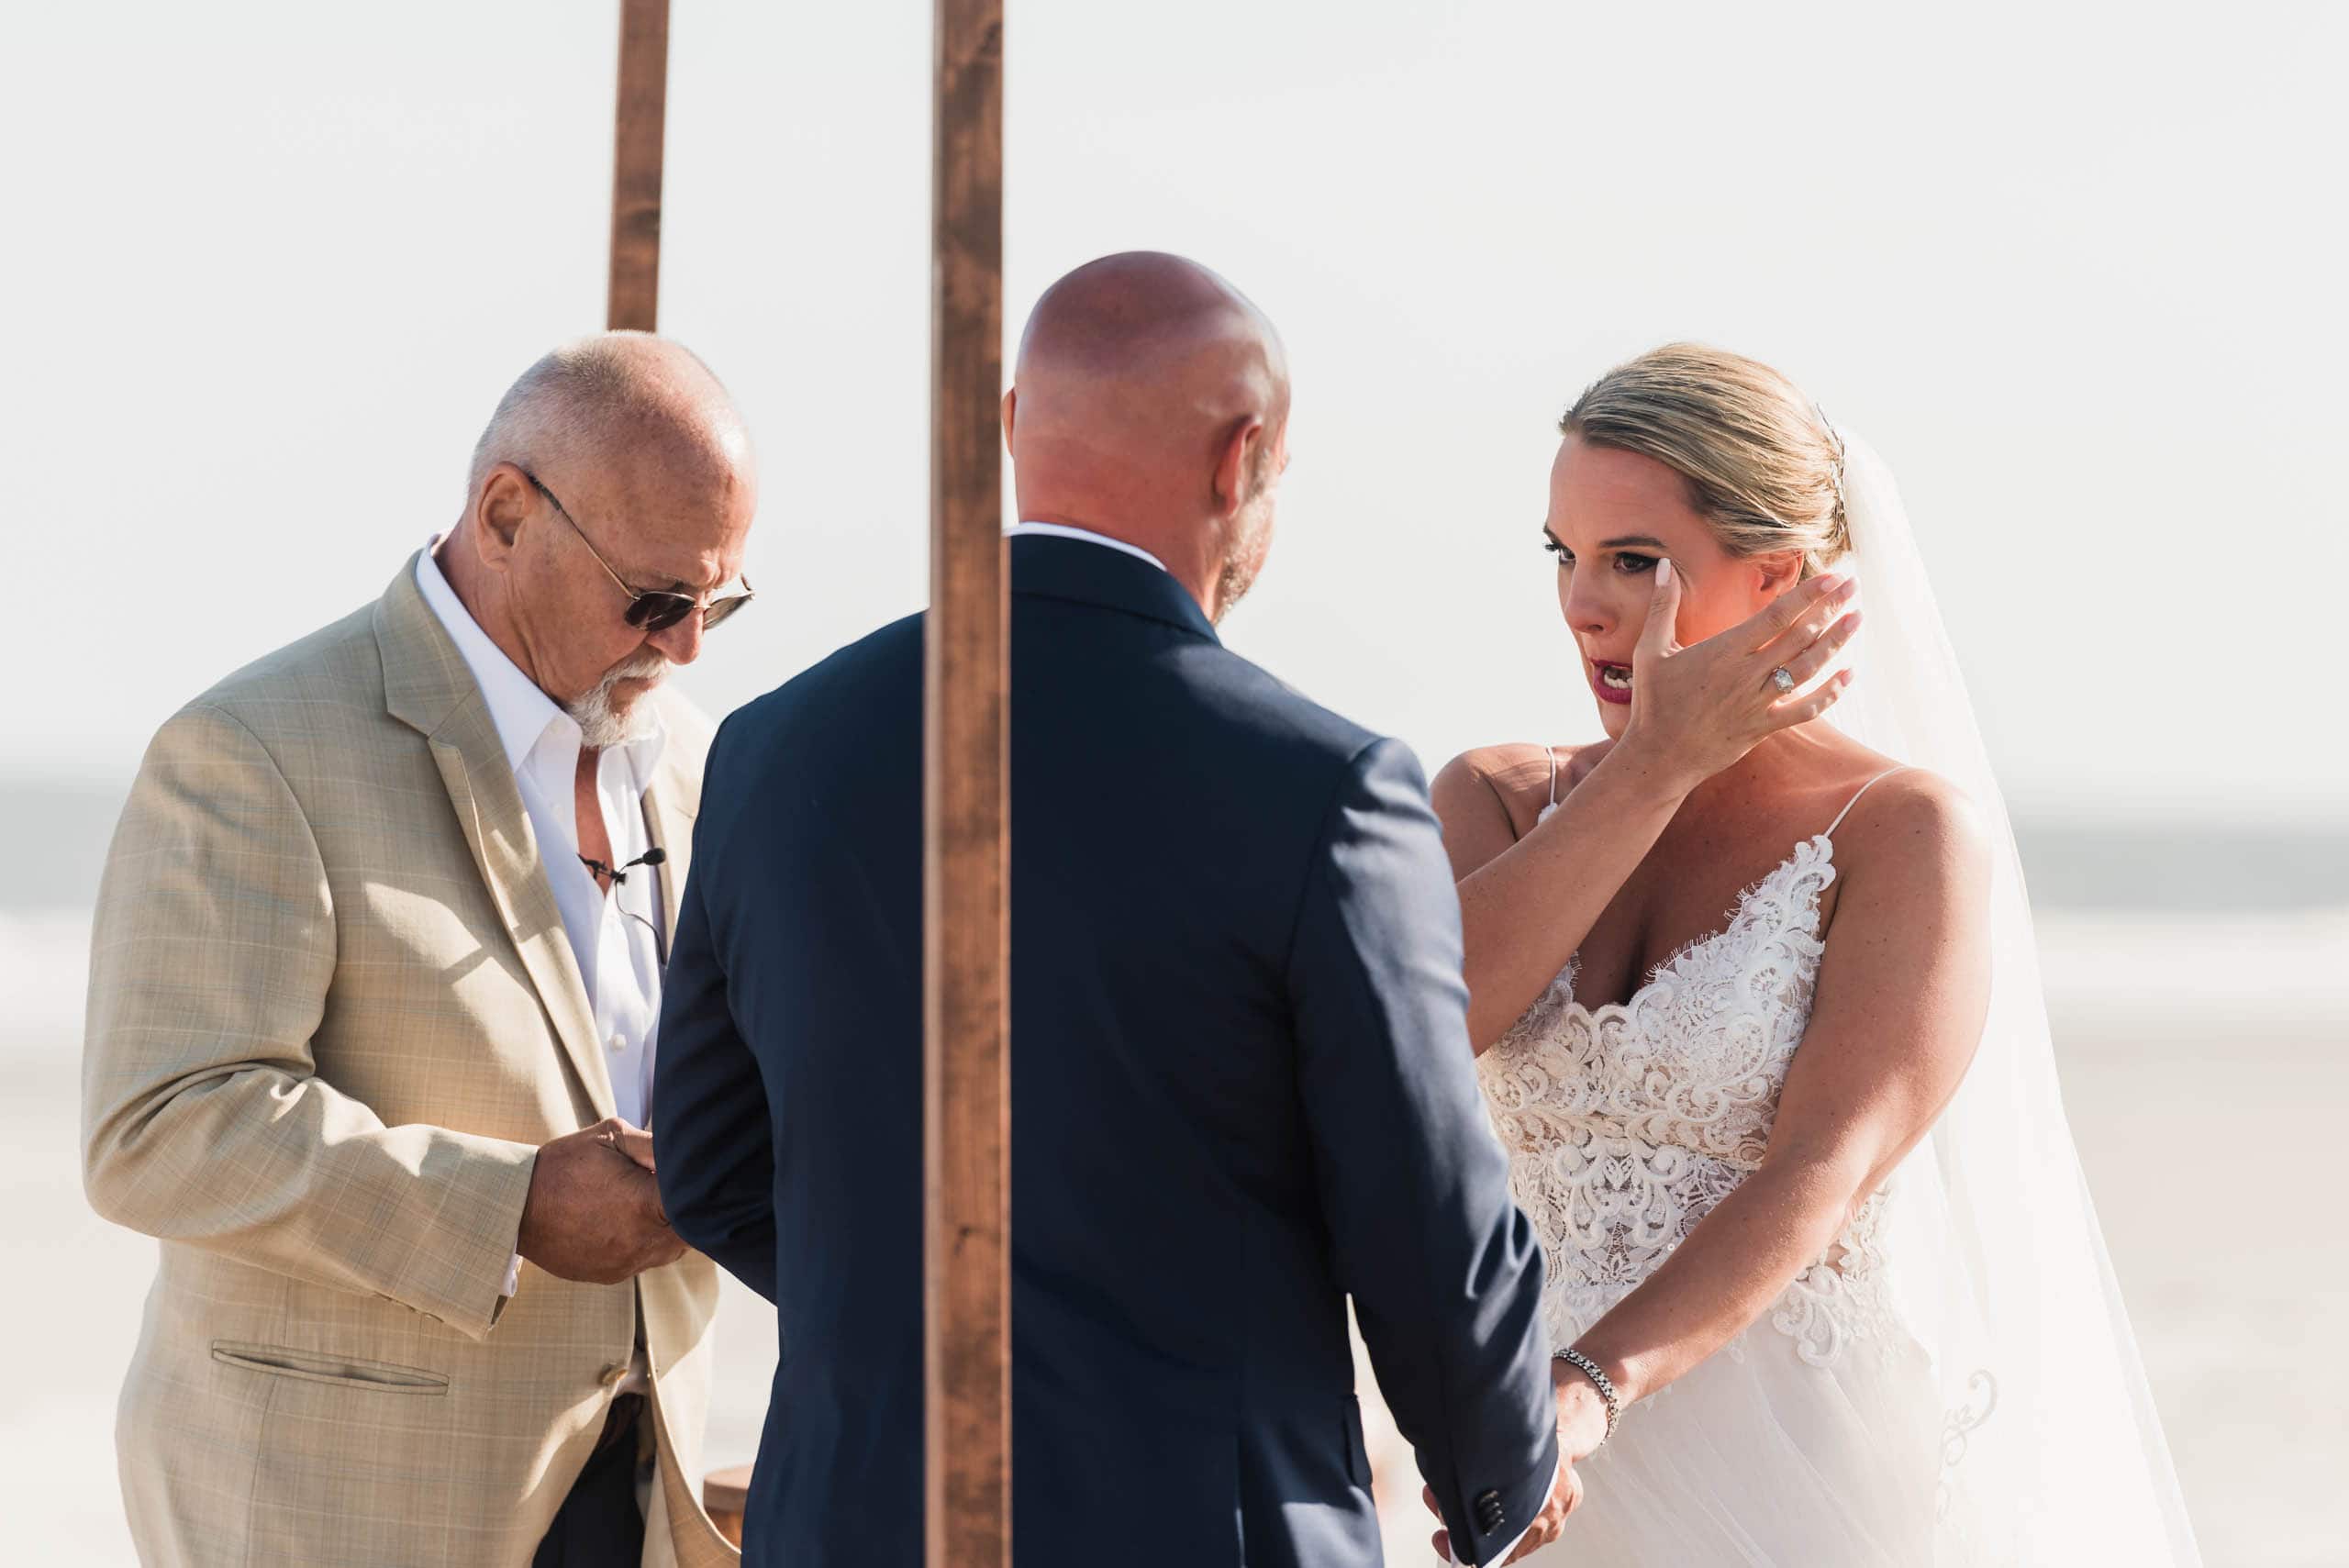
(583, 393)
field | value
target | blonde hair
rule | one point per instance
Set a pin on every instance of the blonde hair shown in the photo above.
(1763, 465)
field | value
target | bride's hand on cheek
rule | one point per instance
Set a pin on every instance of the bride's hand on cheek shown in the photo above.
(1695, 710)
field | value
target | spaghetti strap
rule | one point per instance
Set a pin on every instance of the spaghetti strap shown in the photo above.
(1552, 752)
(1855, 798)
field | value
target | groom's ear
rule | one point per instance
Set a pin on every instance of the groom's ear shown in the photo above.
(1234, 464)
(1010, 410)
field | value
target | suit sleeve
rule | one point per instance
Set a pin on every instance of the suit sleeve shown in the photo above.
(204, 1119)
(710, 1130)
(1445, 1272)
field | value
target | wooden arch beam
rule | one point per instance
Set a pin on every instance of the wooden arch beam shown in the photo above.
(966, 817)
(967, 803)
(634, 296)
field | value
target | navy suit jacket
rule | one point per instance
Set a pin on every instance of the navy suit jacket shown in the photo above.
(1241, 1089)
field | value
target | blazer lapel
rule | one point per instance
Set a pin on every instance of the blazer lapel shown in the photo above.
(670, 826)
(428, 686)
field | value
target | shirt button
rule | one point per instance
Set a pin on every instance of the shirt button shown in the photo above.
(618, 1042)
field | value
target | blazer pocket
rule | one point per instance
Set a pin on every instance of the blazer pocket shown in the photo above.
(381, 1377)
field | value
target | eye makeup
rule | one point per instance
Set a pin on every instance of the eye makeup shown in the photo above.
(1630, 562)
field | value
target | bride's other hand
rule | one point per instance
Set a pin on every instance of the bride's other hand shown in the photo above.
(1696, 710)
(1582, 1414)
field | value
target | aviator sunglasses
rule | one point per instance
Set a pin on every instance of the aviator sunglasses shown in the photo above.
(649, 610)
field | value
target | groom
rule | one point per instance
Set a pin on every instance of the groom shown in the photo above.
(1242, 1081)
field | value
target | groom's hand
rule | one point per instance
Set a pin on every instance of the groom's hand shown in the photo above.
(636, 1143)
(1565, 1496)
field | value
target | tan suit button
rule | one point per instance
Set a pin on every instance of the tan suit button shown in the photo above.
(612, 1375)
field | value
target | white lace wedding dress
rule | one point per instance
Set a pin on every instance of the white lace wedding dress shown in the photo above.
(1953, 1382)
(1816, 1437)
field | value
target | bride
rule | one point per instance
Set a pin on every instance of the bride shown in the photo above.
(1821, 1273)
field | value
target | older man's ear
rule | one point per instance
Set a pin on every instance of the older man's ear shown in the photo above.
(495, 520)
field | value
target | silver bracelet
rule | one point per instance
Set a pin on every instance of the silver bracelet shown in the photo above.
(1599, 1380)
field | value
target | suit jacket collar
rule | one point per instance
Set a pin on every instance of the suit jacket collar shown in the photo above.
(1080, 572)
(523, 714)
(426, 682)
(429, 687)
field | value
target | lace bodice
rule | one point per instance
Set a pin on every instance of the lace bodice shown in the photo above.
(1625, 1124)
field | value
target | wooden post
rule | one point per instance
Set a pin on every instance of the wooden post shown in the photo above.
(635, 293)
(967, 807)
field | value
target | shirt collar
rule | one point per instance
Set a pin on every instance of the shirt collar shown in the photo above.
(526, 718)
(1061, 531)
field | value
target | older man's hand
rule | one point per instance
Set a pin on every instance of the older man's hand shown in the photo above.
(594, 1209)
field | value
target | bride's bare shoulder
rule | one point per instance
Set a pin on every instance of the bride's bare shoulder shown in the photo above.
(1491, 796)
(1504, 769)
(1919, 829)
(1512, 773)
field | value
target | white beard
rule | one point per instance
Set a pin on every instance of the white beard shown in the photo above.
(600, 726)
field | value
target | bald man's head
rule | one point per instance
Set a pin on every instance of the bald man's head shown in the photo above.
(608, 393)
(1150, 403)
(1144, 313)
(615, 466)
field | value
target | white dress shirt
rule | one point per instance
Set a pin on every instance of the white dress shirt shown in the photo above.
(615, 937)
(1061, 531)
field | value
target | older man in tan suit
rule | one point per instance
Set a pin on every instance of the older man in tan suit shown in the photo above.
(373, 998)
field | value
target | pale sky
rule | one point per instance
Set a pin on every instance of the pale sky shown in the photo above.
(2074, 271)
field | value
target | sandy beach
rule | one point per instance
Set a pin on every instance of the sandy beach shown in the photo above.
(2204, 1066)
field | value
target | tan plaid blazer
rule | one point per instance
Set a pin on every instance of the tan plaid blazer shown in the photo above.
(333, 1014)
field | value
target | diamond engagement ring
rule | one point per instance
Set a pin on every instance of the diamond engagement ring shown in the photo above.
(1781, 679)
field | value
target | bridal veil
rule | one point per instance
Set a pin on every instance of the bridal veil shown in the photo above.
(2052, 1451)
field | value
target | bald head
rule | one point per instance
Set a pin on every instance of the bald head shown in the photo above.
(1150, 403)
(615, 467)
(613, 392)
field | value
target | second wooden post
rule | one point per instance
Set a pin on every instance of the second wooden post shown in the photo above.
(966, 819)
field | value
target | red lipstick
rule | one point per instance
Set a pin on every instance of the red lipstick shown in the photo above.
(1599, 670)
